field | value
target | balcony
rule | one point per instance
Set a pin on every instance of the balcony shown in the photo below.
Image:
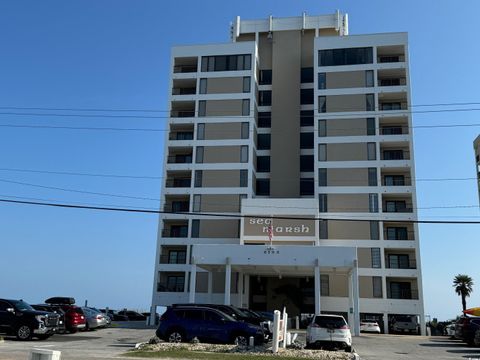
(398, 231)
(400, 259)
(395, 150)
(185, 65)
(178, 182)
(403, 294)
(173, 255)
(396, 177)
(181, 109)
(184, 87)
(392, 77)
(402, 288)
(392, 101)
(177, 206)
(180, 159)
(397, 203)
(390, 54)
(177, 229)
(394, 126)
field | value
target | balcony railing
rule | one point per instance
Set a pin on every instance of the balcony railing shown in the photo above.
(180, 159)
(396, 182)
(182, 113)
(393, 130)
(395, 155)
(405, 294)
(164, 287)
(175, 233)
(177, 207)
(181, 135)
(392, 82)
(184, 91)
(398, 209)
(393, 105)
(166, 259)
(404, 235)
(402, 264)
(391, 58)
(185, 68)
(178, 183)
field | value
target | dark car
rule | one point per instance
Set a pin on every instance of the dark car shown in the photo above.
(57, 310)
(114, 315)
(184, 323)
(460, 325)
(469, 330)
(74, 317)
(132, 315)
(20, 319)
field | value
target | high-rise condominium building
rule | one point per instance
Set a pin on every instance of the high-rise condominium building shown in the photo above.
(292, 147)
(476, 148)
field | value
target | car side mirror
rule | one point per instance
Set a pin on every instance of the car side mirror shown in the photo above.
(11, 310)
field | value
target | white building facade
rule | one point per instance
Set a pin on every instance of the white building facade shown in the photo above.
(293, 146)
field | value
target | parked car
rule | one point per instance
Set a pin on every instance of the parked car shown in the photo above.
(263, 321)
(329, 332)
(370, 326)
(95, 319)
(20, 319)
(74, 316)
(114, 315)
(450, 330)
(405, 323)
(184, 323)
(61, 328)
(460, 325)
(467, 329)
(133, 315)
(157, 317)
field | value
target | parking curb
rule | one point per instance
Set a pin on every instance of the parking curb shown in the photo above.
(1, 340)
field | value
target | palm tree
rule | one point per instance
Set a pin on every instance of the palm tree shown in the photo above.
(463, 285)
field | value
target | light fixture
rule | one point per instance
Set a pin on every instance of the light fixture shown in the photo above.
(280, 276)
(270, 35)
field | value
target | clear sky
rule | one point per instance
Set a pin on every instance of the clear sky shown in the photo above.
(114, 54)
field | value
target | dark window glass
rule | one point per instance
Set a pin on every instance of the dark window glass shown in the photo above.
(348, 56)
(370, 102)
(226, 63)
(264, 119)
(194, 314)
(263, 141)
(322, 104)
(323, 202)
(372, 176)
(322, 81)
(265, 98)
(392, 130)
(374, 231)
(306, 118)
(220, 63)
(306, 75)
(307, 186)
(265, 77)
(394, 180)
(198, 178)
(195, 228)
(370, 126)
(232, 62)
(306, 163)
(246, 107)
(263, 187)
(263, 163)
(322, 177)
(306, 96)
(393, 155)
(243, 178)
(324, 286)
(323, 233)
(306, 140)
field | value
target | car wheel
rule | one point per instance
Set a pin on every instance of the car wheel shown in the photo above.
(348, 349)
(240, 340)
(175, 336)
(87, 327)
(24, 332)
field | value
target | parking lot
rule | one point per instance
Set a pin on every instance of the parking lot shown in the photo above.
(111, 343)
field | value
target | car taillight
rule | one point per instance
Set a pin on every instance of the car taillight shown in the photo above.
(99, 317)
(345, 327)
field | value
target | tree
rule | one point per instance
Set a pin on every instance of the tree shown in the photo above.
(463, 285)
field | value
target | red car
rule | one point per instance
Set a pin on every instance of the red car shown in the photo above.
(74, 317)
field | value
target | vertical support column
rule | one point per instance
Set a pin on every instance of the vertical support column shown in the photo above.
(187, 261)
(240, 289)
(356, 301)
(193, 281)
(210, 287)
(153, 315)
(386, 330)
(317, 287)
(351, 320)
(246, 287)
(228, 281)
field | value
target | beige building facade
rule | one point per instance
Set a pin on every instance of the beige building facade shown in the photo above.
(294, 134)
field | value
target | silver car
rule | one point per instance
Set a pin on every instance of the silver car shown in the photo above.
(94, 319)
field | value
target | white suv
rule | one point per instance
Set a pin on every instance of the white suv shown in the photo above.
(329, 332)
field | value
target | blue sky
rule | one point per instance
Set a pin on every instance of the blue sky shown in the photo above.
(115, 55)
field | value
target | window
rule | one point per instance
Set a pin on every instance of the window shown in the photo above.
(394, 180)
(373, 203)
(177, 257)
(203, 86)
(397, 233)
(306, 96)
(322, 128)
(371, 151)
(306, 75)
(263, 187)
(199, 155)
(400, 261)
(348, 56)
(322, 177)
(393, 155)
(395, 206)
(245, 107)
(323, 202)
(372, 176)
(377, 286)
(202, 108)
(201, 131)
(194, 314)
(175, 283)
(392, 106)
(369, 82)
(306, 118)
(322, 104)
(197, 200)
(374, 232)
(212, 316)
(195, 228)
(265, 98)
(245, 130)
(376, 259)
(263, 141)
(243, 154)
(322, 81)
(226, 62)
(323, 231)
(243, 178)
(370, 102)
(263, 163)
(178, 231)
(392, 130)
(246, 84)
(265, 77)
(324, 285)
(264, 119)
(370, 126)
(307, 186)
(306, 140)
(322, 152)
(306, 163)
(198, 178)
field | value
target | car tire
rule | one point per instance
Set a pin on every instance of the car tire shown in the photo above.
(240, 339)
(24, 332)
(87, 327)
(348, 349)
(72, 331)
(175, 336)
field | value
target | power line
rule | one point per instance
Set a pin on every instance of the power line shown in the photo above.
(238, 216)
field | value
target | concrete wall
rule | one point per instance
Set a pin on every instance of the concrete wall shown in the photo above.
(223, 108)
(347, 177)
(347, 152)
(223, 131)
(345, 79)
(348, 203)
(225, 85)
(221, 178)
(221, 154)
(347, 127)
(358, 230)
(219, 228)
(365, 284)
(220, 203)
(348, 103)
(364, 257)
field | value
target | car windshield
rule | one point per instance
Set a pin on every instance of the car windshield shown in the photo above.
(226, 316)
(21, 305)
(403, 318)
(330, 322)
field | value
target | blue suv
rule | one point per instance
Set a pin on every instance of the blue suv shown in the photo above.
(184, 323)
